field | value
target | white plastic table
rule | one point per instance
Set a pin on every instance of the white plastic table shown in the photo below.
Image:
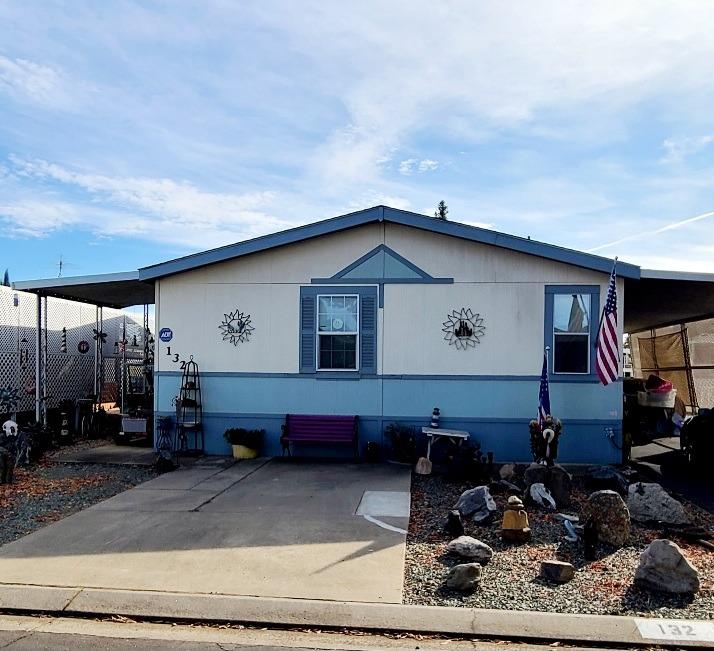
(433, 434)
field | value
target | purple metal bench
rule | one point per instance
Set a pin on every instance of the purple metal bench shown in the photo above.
(302, 428)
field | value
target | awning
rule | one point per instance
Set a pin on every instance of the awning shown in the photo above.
(117, 290)
(662, 298)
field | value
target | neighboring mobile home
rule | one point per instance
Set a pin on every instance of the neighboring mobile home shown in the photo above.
(387, 314)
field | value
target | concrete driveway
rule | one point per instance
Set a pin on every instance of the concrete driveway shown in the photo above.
(261, 528)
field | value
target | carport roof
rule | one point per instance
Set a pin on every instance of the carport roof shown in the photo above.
(662, 298)
(116, 290)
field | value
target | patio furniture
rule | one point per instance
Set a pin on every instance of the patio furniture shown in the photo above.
(189, 411)
(433, 435)
(303, 428)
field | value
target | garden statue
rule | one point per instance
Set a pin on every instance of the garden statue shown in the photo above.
(544, 440)
(8, 444)
(514, 526)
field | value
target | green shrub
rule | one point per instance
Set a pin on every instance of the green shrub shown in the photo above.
(403, 442)
(250, 438)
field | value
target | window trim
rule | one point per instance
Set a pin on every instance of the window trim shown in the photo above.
(318, 368)
(549, 331)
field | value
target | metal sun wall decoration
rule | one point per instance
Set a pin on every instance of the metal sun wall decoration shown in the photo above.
(236, 327)
(463, 328)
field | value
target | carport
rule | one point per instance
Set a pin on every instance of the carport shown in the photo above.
(663, 309)
(115, 290)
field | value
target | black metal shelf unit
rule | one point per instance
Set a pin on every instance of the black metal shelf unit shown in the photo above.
(189, 411)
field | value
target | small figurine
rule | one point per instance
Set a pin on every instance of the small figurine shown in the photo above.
(435, 418)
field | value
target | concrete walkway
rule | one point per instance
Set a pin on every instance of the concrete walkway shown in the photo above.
(261, 528)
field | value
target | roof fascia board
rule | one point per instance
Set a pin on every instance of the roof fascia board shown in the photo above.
(384, 213)
(70, 281)
(660, 274)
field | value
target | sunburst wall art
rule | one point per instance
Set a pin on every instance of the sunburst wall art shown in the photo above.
(463, 328)
(236, 327)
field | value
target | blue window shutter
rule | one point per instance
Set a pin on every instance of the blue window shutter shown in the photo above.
(368, 334)
(308, 316)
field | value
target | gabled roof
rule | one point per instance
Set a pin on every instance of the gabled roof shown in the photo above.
(395, 216)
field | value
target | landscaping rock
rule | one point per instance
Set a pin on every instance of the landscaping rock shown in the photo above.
(609, 515)
(515, 527)
(559, 483)
(464, 577)
(650, 502)
(502, 487)
(423, 466)
(664, 567)
(536, 473)
(557, 571)
(454, 525)
(541, 496)
(468, 547)
(605, 478)
(507, 471)
(477, 502)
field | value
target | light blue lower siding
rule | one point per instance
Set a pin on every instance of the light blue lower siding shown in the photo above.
(495, 411)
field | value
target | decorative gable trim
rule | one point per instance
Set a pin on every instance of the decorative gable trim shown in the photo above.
(381, 266)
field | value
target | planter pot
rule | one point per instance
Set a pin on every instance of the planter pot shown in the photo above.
(242, 452)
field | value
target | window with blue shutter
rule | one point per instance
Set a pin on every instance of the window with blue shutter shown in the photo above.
(338, 329)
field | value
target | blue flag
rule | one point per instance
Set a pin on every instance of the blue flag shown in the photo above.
(544, 393)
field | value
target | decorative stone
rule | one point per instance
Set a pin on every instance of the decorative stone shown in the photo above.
(514, 520)
(536, 473)
(557, 571)
(664, 567)
(502, 486)
(566, 517)
(423, 466)
(468, 547)
(590, 540)
(606, 478)
(559, 483)
(477, 502)
(507, 471)
(650, 502)
(516, 536)
(610, 517)
(454, 525)
(464, 577)
(541, 496)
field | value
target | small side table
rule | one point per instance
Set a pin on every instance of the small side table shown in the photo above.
(455, 435)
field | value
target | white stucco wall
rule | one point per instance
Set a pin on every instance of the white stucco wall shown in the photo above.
(505, 287)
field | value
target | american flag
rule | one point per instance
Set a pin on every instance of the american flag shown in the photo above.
(607, 362)
(544, 393)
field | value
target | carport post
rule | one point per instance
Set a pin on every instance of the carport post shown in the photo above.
(38, 360)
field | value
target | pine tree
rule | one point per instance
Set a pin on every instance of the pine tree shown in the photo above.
(441, 210)
(6, 278)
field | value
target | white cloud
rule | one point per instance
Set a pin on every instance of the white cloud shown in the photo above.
(34, 82)
(678, 149)
(150, 208)
(408, 166)
(37, 218)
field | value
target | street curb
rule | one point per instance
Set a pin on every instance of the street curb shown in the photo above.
(341, 614)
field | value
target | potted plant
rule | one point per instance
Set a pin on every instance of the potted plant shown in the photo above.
(246, 443)
(403, 443)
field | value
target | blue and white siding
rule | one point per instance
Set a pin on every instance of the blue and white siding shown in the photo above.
(491, 390)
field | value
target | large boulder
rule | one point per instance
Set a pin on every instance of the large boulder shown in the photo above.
(560, 484)
(664, 567)
(464, 577)
(476, 502)
(471, 548)
(650, 502)
(536, 473)
(606, 478)
(608, 513)
(557, 571)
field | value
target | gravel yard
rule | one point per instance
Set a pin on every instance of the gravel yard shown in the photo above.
(49, 491)
(510, 580)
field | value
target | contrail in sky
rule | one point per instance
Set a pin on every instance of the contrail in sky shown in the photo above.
(668, 227)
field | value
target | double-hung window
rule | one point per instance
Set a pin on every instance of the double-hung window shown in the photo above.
(570, 331)
(337, 332)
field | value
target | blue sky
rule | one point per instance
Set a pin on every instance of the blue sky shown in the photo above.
(132, 132)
